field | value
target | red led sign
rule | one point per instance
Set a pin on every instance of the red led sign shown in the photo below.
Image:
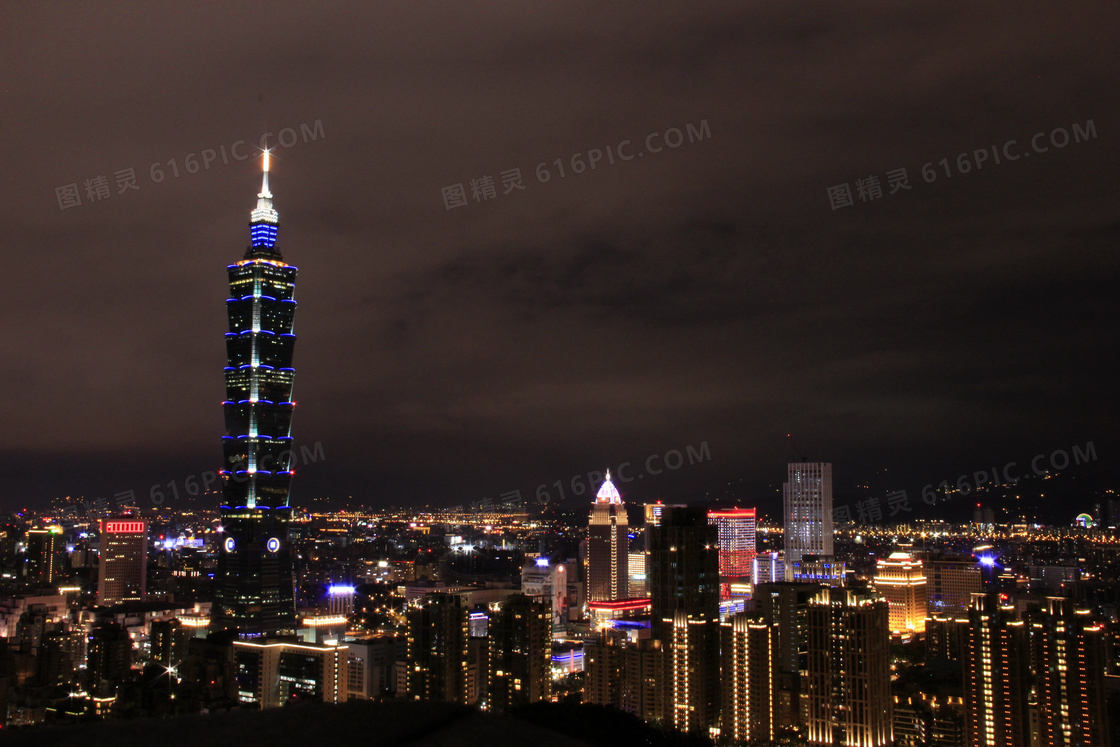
(124, 527)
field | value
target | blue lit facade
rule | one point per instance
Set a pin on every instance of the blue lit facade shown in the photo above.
(254, 586)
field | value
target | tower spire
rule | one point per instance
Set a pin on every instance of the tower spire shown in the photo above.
(264, 181)
(608, 493)
(264, 219)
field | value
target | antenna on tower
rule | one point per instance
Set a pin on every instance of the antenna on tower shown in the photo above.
(264, 177)
(794, 447)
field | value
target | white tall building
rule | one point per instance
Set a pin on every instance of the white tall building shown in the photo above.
(808, 511)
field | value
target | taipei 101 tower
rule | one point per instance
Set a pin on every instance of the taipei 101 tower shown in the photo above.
(254, 587)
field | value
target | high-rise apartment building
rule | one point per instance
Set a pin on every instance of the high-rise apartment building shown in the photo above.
(684, 587)
(276, 673)
(996, 675)
(520, 657)
(108, 657)
(1068, 653)
(901, 579)
(43, 562)
(254, 587)
(737, 547)
(608, 546)
(849, 669)
(438, 639)
(786, 605)
(625, 672)
(169, 640)
(807, 494)
(371, 665)
(945, 638)
(123, 571)
(748, 678)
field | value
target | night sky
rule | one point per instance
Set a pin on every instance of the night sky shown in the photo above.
(704, 293)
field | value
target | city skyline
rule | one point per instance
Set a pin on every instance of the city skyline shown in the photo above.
(724, 374)
(600, 316)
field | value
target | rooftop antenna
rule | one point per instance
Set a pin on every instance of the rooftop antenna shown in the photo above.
(794, 447)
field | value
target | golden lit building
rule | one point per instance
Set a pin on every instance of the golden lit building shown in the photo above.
(901, 580)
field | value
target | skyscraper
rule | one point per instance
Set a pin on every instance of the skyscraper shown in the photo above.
(748, 674)
(808, 511)
(254, 591)
(1069, 664)
(849, 669)
(737, 546)
(996, 675)
(44, 555)
(520, 661)
(108, 657)
(786, 605)
(608, 546)
(123, 572)
(438, 638)
(684, 585)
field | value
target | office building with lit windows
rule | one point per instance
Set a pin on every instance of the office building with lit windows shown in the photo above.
(901, 579)
(123, 572)
(608, 547)
(819, 569)
(849, 669)
(637, 585)
(767, 568)
(254, 588)
(807, 497)
(951, 580)
(737, 546)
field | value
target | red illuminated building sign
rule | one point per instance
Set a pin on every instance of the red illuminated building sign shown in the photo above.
(124, 527)
(622, 605)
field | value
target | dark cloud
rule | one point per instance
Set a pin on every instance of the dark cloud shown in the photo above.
(705, 292)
